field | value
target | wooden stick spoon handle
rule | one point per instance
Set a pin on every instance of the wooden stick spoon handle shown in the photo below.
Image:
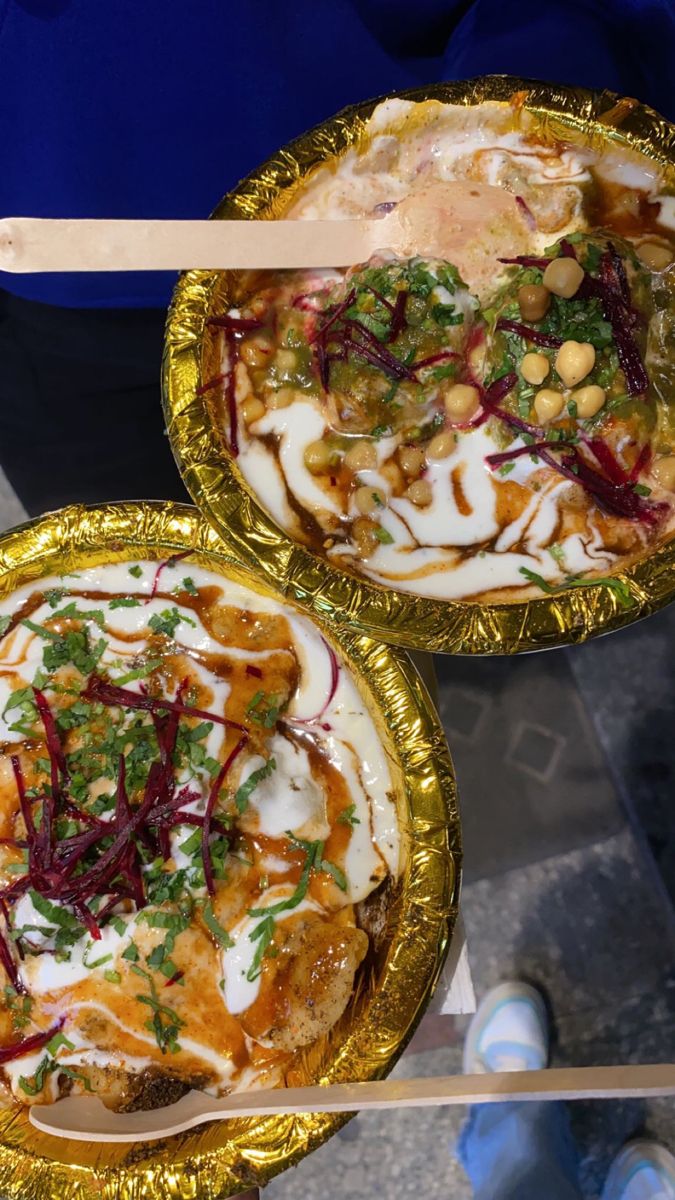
(468, 224)
(85, 1118)
(30, 244)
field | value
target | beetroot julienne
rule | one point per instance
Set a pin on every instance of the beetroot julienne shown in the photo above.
(528, 215)
(103, 860)
(536, 336)
(612, 488)
(233, 328)
(210, 385)
(30, 1044)
(100, 690)
(341, 337)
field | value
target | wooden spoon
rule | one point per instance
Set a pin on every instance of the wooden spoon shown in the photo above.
(455, 221)
(85, 1118)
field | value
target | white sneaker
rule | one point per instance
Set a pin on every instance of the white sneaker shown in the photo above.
(643, 1170)
(509, 1032)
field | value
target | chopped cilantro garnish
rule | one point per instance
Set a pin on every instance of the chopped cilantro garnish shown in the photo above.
(189, 587)
(54, 596)
(164, 1022)
(641, 489)
(23, 698)
(264, 931)
(41, 631)
(69, 928)
(336, 872)
(213, 925)
(383, 536)
(73, 1074)
(124, 602)
(131, 953)
(72, 613)
(620, 589)
(45, 1067)
(264, 710)
(193, 844)
(72, 647)
(136, 571)
(244, 791)
(168, 621)
(445, 314)
(19, 1006)
(59, 1039)
(348, 816)
(98, 962)
(139, 672)
(263, 934)
(5, 623)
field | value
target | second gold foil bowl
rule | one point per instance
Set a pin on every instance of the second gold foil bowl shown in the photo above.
(217, 487)
(221, 1159)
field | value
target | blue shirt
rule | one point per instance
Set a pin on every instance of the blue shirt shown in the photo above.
(155, 108)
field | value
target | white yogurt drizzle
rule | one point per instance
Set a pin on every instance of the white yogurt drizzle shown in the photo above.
(403, 153)
(291, 799)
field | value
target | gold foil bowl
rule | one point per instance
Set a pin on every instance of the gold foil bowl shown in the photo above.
(221, 1159)
(218, 488)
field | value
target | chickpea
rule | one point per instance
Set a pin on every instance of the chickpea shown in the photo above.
(534, 368)
(563, 277)
(533, 301)
(461, 401)
(364, 533)
(419, 492)
(663, 472)
(589, 400)
(362, 456)
(285, 360)
(391, 472)
(255, 351)
(411, 459)
(317, 457)
(548, 404)
(368, 500)
(281, 398)
(573, 362)
(442, 445)
(655, 256)
(252, 410)
(575, 498)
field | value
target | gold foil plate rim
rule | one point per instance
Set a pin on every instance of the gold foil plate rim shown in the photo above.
(218, 488)
(219, 1160)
